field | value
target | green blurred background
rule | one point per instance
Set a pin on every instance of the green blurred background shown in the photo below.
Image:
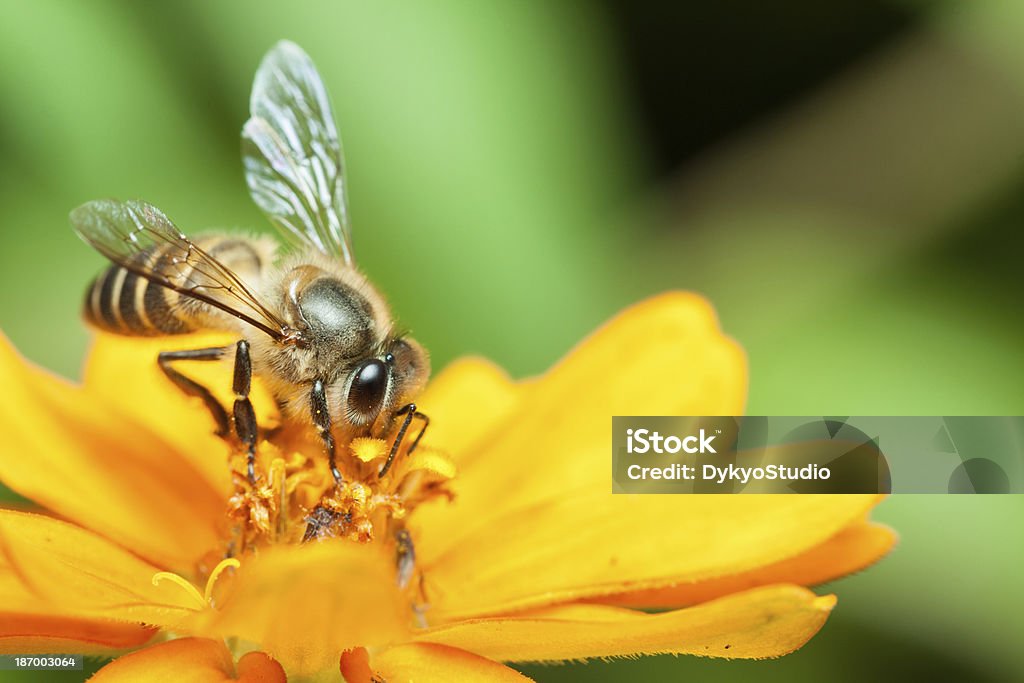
(844, 180)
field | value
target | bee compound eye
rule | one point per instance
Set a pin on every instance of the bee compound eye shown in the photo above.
(368, 388)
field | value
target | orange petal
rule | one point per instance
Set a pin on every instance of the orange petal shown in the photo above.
(190, 660)
(599, 544)
(55, 568)
(665, 356)
(465, 402)
(355, 666)
(39, 634)
(74, 454)
(123, 372)
(851, 550)
(764, 622)
(259, 667)
(306, 604)
(432, 462)
(430, 662)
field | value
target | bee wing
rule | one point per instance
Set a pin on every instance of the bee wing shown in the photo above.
(292, 155)
(128, 232)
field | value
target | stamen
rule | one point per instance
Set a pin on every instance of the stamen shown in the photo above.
(192, 591)
(299, 496)
(202, 600)
(215, 574)
(367, 449)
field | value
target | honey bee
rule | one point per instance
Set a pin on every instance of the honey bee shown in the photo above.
(309, 323)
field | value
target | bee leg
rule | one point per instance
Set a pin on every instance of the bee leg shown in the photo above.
(405, 564)
(405, 557)
(423, 429)
(410, 412)
(193, 388)
(245, 416)
(322, 420)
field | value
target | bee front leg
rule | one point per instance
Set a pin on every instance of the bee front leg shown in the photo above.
(410, 412)
(245, 416)
(322, 519)
(322, 420)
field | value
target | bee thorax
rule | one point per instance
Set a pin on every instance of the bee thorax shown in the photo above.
(338, 318)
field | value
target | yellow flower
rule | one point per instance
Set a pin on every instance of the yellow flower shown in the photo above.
(522, 552)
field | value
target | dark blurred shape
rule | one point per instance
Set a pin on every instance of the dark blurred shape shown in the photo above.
(191, 58)
(855, 460)
(984, 250)
(979, 475)
(699, 71)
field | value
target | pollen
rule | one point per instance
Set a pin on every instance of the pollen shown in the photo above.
(367, 450)
(296, 499)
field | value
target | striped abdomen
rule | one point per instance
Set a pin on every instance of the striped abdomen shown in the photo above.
(121, 301)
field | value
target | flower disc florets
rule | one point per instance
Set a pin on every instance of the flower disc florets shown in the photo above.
(297, 499)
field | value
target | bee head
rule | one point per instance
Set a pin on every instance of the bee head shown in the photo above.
(381, 385)
(347, 331)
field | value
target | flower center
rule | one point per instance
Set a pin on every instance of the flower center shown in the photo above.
(297, 499)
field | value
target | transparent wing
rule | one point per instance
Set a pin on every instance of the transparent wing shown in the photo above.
(127, 233)
(292, 155)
